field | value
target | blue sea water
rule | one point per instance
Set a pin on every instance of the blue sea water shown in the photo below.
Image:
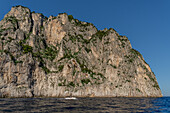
(85, 105)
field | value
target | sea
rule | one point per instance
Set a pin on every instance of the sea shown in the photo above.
(84, 105)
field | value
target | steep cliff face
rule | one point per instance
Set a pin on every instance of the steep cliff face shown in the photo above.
(62, 56)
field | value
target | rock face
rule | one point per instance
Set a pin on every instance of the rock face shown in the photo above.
(62, 56)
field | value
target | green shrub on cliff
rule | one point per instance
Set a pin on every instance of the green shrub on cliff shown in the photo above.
(27, 49)
(70, 18)
(85, 81)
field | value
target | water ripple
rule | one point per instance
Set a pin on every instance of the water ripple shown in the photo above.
(81, 105)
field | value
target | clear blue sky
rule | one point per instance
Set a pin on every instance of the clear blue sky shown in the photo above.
(145, 22)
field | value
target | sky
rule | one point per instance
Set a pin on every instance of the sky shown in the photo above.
(146, 23)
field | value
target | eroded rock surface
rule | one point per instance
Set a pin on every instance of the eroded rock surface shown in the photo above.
(62, 56)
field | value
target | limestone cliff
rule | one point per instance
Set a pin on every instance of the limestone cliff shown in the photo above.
(62, 56)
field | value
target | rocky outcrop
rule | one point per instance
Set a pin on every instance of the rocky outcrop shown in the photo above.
(62, 56)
